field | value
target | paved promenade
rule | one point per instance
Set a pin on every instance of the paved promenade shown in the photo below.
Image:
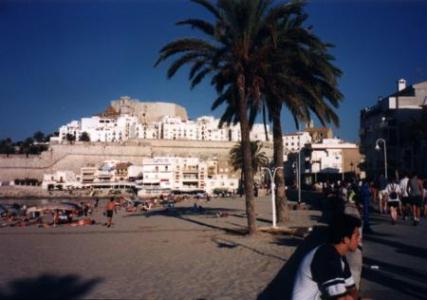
(400, 252)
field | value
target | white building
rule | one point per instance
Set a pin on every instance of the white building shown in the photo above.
(257, 133)
(155, 175)
(60, 179)
(148, 131)
(127, 119)
(135, 172)
(173, 128)
(103, 129)
(72, 128)
(182, 173)
(222, 182)
(294, 142)
(207, 130)
(158, 173)
(328, 156)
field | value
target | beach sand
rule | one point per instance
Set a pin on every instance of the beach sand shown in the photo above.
(178, 253)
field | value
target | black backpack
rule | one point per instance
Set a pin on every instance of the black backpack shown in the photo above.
(393, 194)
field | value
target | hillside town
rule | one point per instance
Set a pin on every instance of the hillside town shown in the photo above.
(313, 152)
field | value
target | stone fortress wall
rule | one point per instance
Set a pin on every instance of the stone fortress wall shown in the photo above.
(73, 157)
(148, 112)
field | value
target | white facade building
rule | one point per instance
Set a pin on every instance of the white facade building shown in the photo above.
(207, 130)
(222, 182)
(125, 125)
(257, 133)
(327, 157)
(72, 128)
(154, 176)
(64, 179)
(173, 128)
(148, 131)
(158, 173)
(294, 142)
(102, 129)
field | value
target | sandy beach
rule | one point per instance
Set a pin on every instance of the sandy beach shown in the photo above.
(174, 253)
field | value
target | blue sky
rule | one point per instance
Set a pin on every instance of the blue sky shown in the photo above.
(63, 60)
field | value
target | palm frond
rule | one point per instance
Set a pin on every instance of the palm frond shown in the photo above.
(201, 25)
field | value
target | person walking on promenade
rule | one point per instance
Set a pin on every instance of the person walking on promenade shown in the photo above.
(109, 210)
(382, 204)
(404, 197)
(393, 199)
(374, 192)
(324, 271)
(365, 197)
(415, 191)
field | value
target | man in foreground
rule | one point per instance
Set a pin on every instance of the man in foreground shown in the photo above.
(324, 272)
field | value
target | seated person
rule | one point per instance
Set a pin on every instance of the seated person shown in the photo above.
(324, 271)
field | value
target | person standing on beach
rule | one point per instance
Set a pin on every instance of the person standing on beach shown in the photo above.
(324, 271)
(109, 210)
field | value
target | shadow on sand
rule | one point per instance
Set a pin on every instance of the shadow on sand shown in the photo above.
(281, 286)
(185, 214)
(49, 287)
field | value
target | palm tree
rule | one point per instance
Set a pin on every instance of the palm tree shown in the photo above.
(259, 158)
(259, 56)
(305, 83)
(300, 76)
(230, 56)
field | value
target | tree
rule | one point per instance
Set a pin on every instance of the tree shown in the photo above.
(71, 138)
(25, 146)
(39, 136)
(305, 82)
(259, 158)
(295, 71)
(84, 137)
(6, 146)
(229, 56)
(259, 57)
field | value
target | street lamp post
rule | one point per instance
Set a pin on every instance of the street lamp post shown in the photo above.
(299, 176)
(378, 148)
(299, 170)
(272, 173)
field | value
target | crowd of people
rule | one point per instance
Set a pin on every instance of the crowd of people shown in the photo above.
(403, 197)
(333, 270)
(68, 212)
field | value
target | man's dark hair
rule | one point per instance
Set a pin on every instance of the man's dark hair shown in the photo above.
(342, 226)
(111, 199)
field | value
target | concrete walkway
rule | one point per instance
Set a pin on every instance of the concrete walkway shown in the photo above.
(395, 260)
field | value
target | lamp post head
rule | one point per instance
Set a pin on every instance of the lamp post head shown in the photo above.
(377, 147)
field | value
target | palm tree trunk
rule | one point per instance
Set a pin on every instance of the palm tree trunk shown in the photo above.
(281, 201)
(247, 162)
(264, 120)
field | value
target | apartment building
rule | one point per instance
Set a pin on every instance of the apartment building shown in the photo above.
(392, 124)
